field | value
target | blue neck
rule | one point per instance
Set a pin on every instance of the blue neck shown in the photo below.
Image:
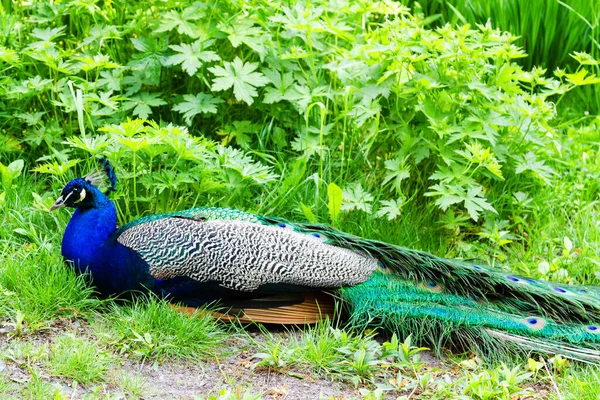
(86, 237)
(90, 246)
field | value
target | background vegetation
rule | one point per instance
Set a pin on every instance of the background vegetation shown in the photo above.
(430, 126)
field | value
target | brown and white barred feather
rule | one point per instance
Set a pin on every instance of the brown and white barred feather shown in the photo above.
(242, 255)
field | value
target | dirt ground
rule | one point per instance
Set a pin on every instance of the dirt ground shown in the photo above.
(186, 379)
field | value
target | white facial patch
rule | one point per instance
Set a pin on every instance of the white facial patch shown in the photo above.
(81, 196)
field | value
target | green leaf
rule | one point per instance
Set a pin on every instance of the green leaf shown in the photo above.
(282, 83)
(228, 158)
(135, 144)
(91, 144)
(99, 61)
(475, 203)
(191, 56)
(529, 162)
(147, 65)
(544, 267)
(476, 154)
(581, 78)
(568, 244)
(243, 30)
(8, 56)
(56, 169)
(447, 194)
(334, 194)
(241, 131)
(398, 171)
(302, 95)
(142, 102)
(11, 172)
(48, 34)
(31, 119)
(241, 76)
(183, 21)
(584, 58)
(199, 104)
(308, 214)
(356, 198)
(391, 208)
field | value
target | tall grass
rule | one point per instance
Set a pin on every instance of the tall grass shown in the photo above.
(549, 30)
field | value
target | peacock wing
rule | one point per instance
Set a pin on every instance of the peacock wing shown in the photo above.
(242, 254)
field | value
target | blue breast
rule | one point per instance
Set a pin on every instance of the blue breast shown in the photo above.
(89, 245)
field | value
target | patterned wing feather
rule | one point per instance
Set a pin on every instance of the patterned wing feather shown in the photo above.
(243, 255)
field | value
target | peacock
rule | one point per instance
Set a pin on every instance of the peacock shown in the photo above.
(266, 269)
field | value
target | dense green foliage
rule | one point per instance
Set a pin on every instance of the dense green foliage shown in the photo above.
(359, 94)
(549, 30)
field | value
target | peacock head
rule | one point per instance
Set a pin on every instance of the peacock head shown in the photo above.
(77, 193)
(83, 193)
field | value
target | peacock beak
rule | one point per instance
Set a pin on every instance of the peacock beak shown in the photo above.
(60, 202)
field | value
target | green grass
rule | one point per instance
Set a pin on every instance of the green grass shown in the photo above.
(35, 283)
(150, 328)
(78, 359)
(133, 386)
(579, 382)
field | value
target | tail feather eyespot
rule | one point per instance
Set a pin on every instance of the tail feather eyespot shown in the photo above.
(319, 236)
(432, 286)
(535, 323)
(595, 329)
(285, 226)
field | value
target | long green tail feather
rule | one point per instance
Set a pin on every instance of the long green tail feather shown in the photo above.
(442, 300)
(578, 304)
(438, 318)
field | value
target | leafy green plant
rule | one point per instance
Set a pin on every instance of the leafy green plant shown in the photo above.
(276, 356)
(549, 30)
(10, 172)
(387, 106)
(500, 383)
(166, 163)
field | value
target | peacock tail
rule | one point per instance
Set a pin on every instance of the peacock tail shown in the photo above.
(266, 269)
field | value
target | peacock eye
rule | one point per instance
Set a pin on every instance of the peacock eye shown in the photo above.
(593, 329)
(285, 226)
(432, 286)
(319, 236)
(79, 194)
(563, 291)
(534, 323)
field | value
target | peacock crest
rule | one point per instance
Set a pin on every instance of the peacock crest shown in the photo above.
(105, 177)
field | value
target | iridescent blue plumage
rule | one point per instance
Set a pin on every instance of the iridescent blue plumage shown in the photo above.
(90, 245)
(267, 267)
